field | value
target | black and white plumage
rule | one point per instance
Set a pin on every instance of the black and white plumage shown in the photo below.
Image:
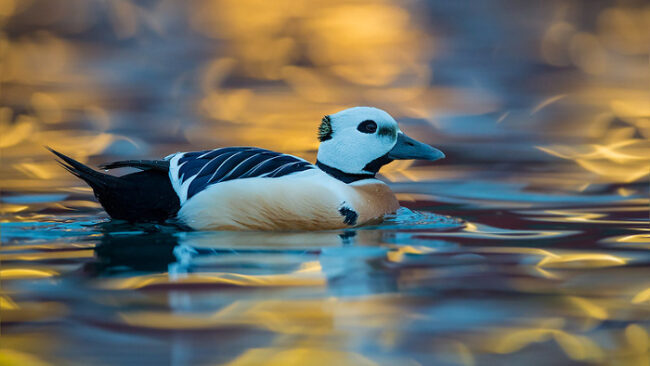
(249, 188)
(192, 172)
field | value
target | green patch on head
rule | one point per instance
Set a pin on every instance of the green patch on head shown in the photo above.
(325, 129)
(387, 132)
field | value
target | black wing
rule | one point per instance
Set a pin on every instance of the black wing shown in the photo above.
(213, 166)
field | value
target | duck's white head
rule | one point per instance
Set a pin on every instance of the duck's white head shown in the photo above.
(360, 140)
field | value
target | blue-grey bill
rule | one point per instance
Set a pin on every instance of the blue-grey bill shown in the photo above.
(407, 148)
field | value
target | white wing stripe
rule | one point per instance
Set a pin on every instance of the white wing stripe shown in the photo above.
(280, 168)
(216, 170)
(260, 163)
(237, 166)
(250, 172)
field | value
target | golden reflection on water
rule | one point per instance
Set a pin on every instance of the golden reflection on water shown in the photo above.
(300, 356)
(24, 273)
(327, 325)
(620, 129)
(12, 357)
(304, 277)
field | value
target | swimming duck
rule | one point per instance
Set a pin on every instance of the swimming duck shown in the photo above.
(249, 188)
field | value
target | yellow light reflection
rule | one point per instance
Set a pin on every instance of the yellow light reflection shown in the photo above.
(620, 127)
(48, 247)
(547, 102)
(37, 171)
(625, 161)
(642, 297)
(7, 8)
(12, 134)
(329, 316)
(25, 273)
(300, 356)
(589, 308)
(13, 357)
(475, 230)
(580, 216)
(582, 260)
(516, 340)
(576, 347)
(45, 255)
(76, 204)
(309, 276)
(7, 208)
(579, 348)
(397, 253)
(7, 303)
(630, 241)
(637, 338)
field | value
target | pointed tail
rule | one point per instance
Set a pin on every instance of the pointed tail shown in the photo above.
(96, 180)
(137, 197)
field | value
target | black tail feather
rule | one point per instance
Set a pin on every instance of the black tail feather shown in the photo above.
(94, 178)
(137, 197)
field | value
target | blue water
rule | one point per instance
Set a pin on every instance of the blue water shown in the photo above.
(474, 281)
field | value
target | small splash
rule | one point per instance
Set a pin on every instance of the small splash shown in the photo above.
(406, 219)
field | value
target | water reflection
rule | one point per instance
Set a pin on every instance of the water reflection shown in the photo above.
(133, 252)
(394, 289)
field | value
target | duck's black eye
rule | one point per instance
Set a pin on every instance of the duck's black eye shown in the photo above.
(367, 126)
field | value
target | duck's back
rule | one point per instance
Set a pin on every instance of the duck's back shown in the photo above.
(193, 172)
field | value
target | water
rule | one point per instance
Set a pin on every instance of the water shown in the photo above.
(529, 244)
(501, 283)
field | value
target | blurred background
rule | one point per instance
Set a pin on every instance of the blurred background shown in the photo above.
(543, 111)
(495, 84)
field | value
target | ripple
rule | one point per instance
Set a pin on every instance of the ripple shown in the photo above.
(406, 219)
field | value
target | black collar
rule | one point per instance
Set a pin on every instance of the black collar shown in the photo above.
(342, 176)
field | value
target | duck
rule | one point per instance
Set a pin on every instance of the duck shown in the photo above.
(254, 189)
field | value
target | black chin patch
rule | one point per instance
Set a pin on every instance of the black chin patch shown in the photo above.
(375, 165)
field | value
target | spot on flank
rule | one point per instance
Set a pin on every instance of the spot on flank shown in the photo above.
(349, 215)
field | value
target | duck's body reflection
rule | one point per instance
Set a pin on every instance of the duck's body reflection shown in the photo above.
(144, 251)
(156, 248)
(341, 262)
